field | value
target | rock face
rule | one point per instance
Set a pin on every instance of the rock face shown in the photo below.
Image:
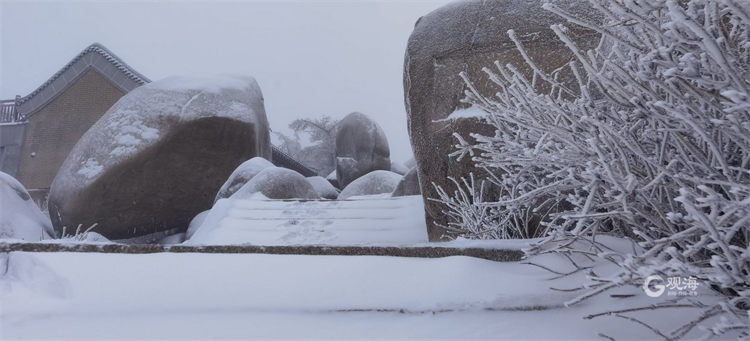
(409, 185)
(467, 36)
(240, 176)
(324, 188)
(159, 155)
(375, 182)
(332, 179)
(277, 183)
(20, 217)
(361, 147)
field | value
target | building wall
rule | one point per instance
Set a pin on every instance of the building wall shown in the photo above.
(52, 131)
(11, 135)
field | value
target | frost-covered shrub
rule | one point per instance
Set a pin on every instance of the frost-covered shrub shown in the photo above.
(653, 143)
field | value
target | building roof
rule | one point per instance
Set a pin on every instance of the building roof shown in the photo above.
(120, 75)
(95, 57)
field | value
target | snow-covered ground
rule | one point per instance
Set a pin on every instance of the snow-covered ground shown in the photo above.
(209, 296)
(366, 220)
(253, 296)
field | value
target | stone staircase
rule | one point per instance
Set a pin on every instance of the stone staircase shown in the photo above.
(367, 221)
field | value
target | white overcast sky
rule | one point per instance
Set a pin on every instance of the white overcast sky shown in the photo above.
(311, 58)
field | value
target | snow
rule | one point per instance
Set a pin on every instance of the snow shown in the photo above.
(129, 131)
(241, 175)
(277, 183)
(470, 112)
(13, 123)
(211, 84)
(375, 182)
(369, 220)
(196, 223)
(20, 217)
(250, 296)
(507, 244)
(80, 237)
(323, 187)
(90, 168)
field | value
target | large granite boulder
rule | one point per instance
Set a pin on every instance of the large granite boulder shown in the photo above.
(467, 36)
(240, 176)
(20, 217)
(375, 182)
(159, 155)
(277, 183)
(409, 185)
(361, 147)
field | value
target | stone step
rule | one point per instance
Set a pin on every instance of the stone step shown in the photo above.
(364, 221)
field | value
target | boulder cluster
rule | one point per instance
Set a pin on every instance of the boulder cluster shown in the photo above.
(168, 151)
(160, 158)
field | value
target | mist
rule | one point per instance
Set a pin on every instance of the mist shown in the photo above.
(310, 58)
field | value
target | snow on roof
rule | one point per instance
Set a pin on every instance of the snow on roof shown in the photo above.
(93, 48)
(77, 65)
(210, 84)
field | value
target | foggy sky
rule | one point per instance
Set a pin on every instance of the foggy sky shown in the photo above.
(310, 58)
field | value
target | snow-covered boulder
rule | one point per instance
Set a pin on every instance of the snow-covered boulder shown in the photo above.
(361, 147)
(246, 171)
(398, 168)
(466, 36)
(323, 187)
(20, 217)
(196, 223)
(277, 183)
(409, 185)
(158, 156)
(375, 182)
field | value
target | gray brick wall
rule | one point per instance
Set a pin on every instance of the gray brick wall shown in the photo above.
(53, 130)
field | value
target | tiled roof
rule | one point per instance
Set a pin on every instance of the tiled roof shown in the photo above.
(95, 56)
